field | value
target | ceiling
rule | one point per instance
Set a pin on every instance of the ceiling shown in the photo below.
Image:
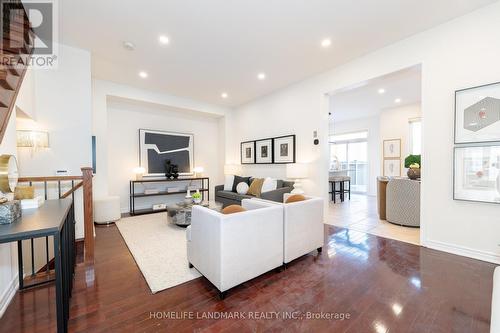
(365, 100)
(220, 46)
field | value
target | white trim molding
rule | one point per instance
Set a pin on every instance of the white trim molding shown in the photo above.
(464, 251)
(8, 294)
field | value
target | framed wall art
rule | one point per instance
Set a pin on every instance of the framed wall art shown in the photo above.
(264, 151)
(477, 173)
(248, 152)
(477, 114)
(158, 147)
(284, 149)
(392, 168)
(392, 148)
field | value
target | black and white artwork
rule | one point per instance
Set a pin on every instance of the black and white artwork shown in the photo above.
(263, 151)
(392, 148)
(477, 114)
(248, 152)
(477, 174)
(392, 168)
(284, 149)
(158, 147)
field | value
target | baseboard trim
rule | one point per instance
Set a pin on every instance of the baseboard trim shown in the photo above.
(464, 251)
(8, 294)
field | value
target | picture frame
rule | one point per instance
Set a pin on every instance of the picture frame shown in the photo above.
(284, 149)
(392, 148)
(247, 152)
(476, 173)
(158, 146)
(264, 151)
(392, 168)
(477, 114)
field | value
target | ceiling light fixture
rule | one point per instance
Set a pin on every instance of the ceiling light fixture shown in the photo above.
(381, 91)
(261, 76)
(397, 100)
(163, 40)
(224, 95)
(143, 74)
(326, 42)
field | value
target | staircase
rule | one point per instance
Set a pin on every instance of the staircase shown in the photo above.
(16, 47)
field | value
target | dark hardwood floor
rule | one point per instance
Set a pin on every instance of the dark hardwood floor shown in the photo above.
(383, 285)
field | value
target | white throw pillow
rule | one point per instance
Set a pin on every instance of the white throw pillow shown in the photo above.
(228, 182)
(269, 185)
(242, 188)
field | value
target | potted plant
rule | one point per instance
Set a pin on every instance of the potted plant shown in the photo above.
(197, 197)
(413, 163)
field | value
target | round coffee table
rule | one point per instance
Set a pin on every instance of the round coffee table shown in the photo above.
(180, 213)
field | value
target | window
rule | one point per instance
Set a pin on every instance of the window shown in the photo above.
(416, 136)
(348, 155)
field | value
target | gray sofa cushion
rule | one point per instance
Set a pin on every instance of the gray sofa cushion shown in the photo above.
(233, 195)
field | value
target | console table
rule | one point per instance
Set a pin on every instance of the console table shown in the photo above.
(55, 218)
(204, 188)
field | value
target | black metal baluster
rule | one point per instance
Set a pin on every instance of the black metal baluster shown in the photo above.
(47, 252)
(32, 259)
(59, 186)
(73, 194)
(45, 188)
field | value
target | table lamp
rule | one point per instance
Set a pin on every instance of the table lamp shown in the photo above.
(198, 170)
(297, 171)
(139, 172)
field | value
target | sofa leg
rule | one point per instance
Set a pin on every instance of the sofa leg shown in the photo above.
(320, 249)
(285, 266)
(222, 295)
(190, 265)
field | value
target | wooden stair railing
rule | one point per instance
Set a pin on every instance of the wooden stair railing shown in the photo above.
(85, 182)
(16, 48)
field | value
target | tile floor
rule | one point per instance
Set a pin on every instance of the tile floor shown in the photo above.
(360, 214)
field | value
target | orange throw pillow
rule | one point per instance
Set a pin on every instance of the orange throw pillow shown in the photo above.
(233, 209)
(295, 198)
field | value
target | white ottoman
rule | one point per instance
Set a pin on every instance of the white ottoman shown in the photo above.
(107, 210)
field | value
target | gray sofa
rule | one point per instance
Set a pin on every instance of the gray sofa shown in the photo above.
(232, 198)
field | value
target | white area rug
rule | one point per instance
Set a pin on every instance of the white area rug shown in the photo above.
(159, 249)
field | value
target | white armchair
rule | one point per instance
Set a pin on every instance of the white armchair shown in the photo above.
(231, 249)
(303, 227)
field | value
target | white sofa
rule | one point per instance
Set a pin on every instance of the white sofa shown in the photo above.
(231, 249)
(303, 228)
(495, 303)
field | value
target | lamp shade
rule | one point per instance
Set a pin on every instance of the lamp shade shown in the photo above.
(198, 169)
(232, 169)
(297, 170)
(139, 171)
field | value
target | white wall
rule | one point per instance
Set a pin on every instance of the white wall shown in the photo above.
(104, 92)
(63, 99)
(124, 121)
(394, 124)
(372, 125)
(450, 61)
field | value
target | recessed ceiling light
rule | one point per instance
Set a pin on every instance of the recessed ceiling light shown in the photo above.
(397, 100)
(326, 42)
(224, 95)
(261, 76)
(129, 46)
(143, 74)
(163, 40)
(381, 91)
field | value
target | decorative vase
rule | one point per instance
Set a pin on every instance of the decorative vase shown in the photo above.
(197, 201)
(413, 174)
(188, 198)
